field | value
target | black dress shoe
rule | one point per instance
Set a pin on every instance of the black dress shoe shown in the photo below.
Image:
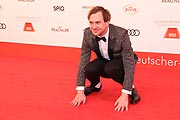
(88, 90)
(134, 97)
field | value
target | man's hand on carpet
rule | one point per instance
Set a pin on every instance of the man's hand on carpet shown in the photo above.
(121, 103)
(79, 98)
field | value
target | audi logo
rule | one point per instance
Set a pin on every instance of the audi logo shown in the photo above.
(133, 32)
(58, 8)
(2, 26)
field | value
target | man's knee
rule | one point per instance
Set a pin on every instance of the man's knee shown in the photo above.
(108, 70)
(89, 69)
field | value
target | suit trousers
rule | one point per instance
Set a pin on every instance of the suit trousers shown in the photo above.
(101, 67)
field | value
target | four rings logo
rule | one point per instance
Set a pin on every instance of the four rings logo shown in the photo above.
(2, 26)
(133, 32)
(58, 8)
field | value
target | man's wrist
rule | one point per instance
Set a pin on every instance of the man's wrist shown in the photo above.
(124, 94)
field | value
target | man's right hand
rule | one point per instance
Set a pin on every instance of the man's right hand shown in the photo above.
(79, 98)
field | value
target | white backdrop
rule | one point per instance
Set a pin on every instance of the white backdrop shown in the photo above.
(61, 22)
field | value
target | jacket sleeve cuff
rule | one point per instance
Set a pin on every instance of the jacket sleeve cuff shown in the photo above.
(126, 91)
(80, 88)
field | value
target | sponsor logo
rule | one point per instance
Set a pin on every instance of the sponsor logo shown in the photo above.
(2, 26)
(28, 27)
(27, 18)
(159, 61)
(170, 1)
(58, 8)
(26, 0)
(130, 9)
(133, 32)
(172, 33)
(59, 29)
(167, 22)
(87, 7)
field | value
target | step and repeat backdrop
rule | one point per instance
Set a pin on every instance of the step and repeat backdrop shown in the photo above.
(153, 26)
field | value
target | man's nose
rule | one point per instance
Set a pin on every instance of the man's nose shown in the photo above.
(94, 26)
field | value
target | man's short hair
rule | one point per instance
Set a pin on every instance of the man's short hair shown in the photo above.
(106, 14)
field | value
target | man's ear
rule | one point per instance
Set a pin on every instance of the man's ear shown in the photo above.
(107, 23)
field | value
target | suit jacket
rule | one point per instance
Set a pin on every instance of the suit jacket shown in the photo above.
(119, 47)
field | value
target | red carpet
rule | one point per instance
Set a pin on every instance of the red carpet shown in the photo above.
(41, 89)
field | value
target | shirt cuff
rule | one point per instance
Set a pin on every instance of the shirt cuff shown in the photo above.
(126, 91)
(80, 88)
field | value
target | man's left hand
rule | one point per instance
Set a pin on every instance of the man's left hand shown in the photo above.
(121, 103)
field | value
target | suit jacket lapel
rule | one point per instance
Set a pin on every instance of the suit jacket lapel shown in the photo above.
(111, 42)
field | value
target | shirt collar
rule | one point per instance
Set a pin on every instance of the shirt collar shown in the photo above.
(106, 35)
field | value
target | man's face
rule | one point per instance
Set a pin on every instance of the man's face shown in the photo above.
(97, 24)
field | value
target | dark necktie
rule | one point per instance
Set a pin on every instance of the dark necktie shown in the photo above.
(100, 38)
